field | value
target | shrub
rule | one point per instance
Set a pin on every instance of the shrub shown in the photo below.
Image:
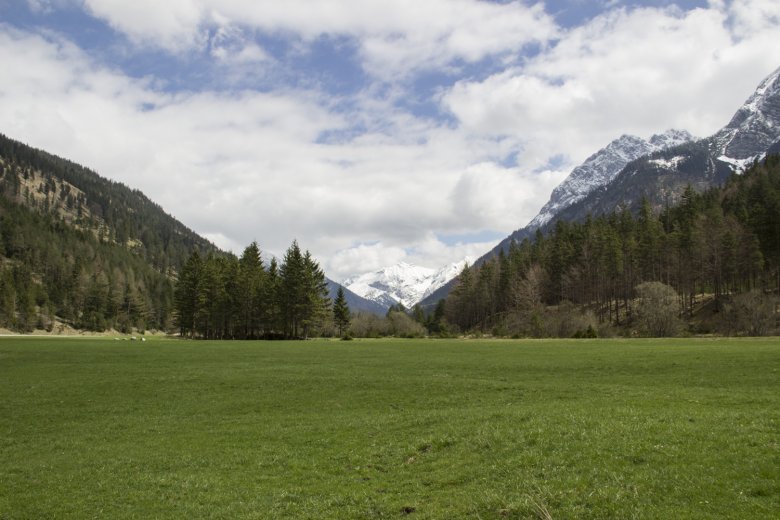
(658, 310)
(752, 314)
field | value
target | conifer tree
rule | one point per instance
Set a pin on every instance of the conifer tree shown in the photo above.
(341, 315)
(316, 294)
(292, 293)
(186, 295)
(272, 301)
(250, 293)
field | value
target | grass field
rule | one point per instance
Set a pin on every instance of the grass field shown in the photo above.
(93, 428)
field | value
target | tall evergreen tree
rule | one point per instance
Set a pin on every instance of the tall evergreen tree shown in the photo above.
(341, 315)
(187, 294)
(316, 294)
(250, 293)
(292, 293)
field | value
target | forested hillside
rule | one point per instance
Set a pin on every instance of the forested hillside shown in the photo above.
(89, 251)
(721, 247)
(82, 251)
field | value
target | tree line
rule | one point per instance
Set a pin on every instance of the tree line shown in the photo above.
(224, 297)
(720, 248)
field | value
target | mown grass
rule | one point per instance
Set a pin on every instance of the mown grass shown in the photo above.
(390, 429)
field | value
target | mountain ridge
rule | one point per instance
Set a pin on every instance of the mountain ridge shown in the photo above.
(662, 175)
(402, 283)
(601, 168)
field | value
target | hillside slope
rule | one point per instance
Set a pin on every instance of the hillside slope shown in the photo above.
(661, 176)
(80, 250)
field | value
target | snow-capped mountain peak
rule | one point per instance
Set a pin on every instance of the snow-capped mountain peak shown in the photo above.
(601, 168)
(402, 283)
(754, 127)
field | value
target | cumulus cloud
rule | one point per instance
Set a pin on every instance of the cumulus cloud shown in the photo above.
(364, 258)
(750, 16)
(394, 37)
(248, 165)
(627, 71)
(173, 24)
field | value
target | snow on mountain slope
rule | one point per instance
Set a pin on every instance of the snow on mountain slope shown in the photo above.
(600, 168)
(662, 176)
(403, 283)
(754, 127)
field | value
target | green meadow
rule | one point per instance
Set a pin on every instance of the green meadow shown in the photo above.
(561, 429)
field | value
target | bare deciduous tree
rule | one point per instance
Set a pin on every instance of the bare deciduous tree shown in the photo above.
(658, 309)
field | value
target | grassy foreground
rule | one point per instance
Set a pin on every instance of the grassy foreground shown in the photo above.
(390, 429)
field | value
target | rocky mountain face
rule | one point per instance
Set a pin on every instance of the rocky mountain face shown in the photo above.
(601, 168)
(661, 177)
(593, 176)
(630, 169)
(754, 128)
(403, 283)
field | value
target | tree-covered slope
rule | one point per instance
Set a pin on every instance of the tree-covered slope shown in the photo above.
(721, 246)
(81, 249)
(82, 198)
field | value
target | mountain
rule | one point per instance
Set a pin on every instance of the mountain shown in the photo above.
(753, 129)
(354, 302)
(629, 170)
(403, 283)
(80, 250)
(661, 177)
(111, 211)
(597, 171)
(601, 168)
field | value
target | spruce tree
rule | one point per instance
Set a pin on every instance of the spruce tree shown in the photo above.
(250, 293)
(186, 294)
(341, 315)
(291, 291)
(317, 303)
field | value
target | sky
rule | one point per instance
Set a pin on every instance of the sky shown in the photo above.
(371, 131)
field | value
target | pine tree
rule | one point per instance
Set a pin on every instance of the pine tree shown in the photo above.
(186, 294)
(341, 315)
(291, 291)
(316, 294)
(7, 299)
(250, 292)
(273, 314)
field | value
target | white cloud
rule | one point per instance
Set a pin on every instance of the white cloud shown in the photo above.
(173, 24)
(395, 37)
(246, 166)
(750, 16)
(627, 71)
(489, 195)
(363, 258)
(229, 44)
